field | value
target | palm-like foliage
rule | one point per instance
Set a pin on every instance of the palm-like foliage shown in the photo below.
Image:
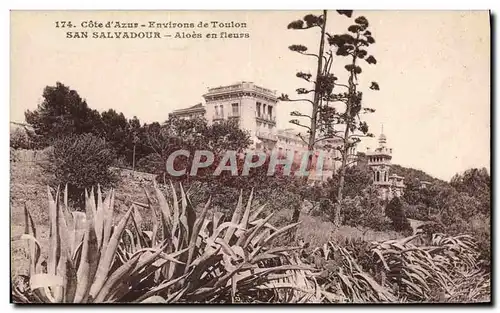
(217, 261)
(343, 277)
(185, 257)
(425, 273)
(197, 257)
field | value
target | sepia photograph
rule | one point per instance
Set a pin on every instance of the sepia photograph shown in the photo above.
(250, 157)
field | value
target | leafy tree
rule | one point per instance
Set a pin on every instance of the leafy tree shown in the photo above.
(366, 209)
(416, 211)
(82, 162)
(476, 183)
(61, 113)
(357, 179)
(192, 135)
(395, 212)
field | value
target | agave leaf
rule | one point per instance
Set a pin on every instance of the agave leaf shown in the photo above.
(382, 292)
(194, 236)
(165, 213)
(239, 252)
(226, 248)
(257, 212)
(89, 258)
(154, 299)
(137, 221)
(273, 253)
(256, 231)
(98, 214)
(54, 246)
(117, 275)
(45, 280)
(70, 282)
(65, 233)
(235, 219)
(158, 289)
(105, 263)
(70, 222)
(183, 233)
(132, 245)
(175, 206)
(379, 253)
(154, 217)
(223, 226)
(246, 214)
(34, 249)
(257, 240)
(279, 232)
(104, 223)
(108, 217)
(216, 217)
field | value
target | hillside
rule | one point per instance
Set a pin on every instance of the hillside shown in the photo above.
(408, 172)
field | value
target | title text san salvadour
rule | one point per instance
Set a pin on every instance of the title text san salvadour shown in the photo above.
(132, 30)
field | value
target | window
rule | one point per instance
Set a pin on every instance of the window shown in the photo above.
(222, 111)
(270, 109)
(264, 110)
(377, 177)
(258, 109)
(235, 109)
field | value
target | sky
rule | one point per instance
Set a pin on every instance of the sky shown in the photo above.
(433, 70)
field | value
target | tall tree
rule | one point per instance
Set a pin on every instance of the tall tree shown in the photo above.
(336, 116)
(310, 21)
(340, 112)
(61, 113)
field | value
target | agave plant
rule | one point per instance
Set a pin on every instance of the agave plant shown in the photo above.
(344, 280)
(185, 257)
(81, 265)
(426, 273)
(217, 261)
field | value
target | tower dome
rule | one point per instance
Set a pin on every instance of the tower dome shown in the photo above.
(382, 139)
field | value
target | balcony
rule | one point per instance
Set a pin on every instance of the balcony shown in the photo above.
(266, 136)
(234, 116)
(217, 118)
(266, 119)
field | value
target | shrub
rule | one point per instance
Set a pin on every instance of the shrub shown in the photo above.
(416, 211)
(81, 161)
(365, 211)
(395, 212)
(152, 163)
(19, 139)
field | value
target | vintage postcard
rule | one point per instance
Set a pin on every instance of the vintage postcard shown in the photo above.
(329, 156)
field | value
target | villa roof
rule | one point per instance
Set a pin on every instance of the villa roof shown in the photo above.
(194, 108)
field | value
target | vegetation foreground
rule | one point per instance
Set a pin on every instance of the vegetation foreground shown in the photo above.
(185, 256)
